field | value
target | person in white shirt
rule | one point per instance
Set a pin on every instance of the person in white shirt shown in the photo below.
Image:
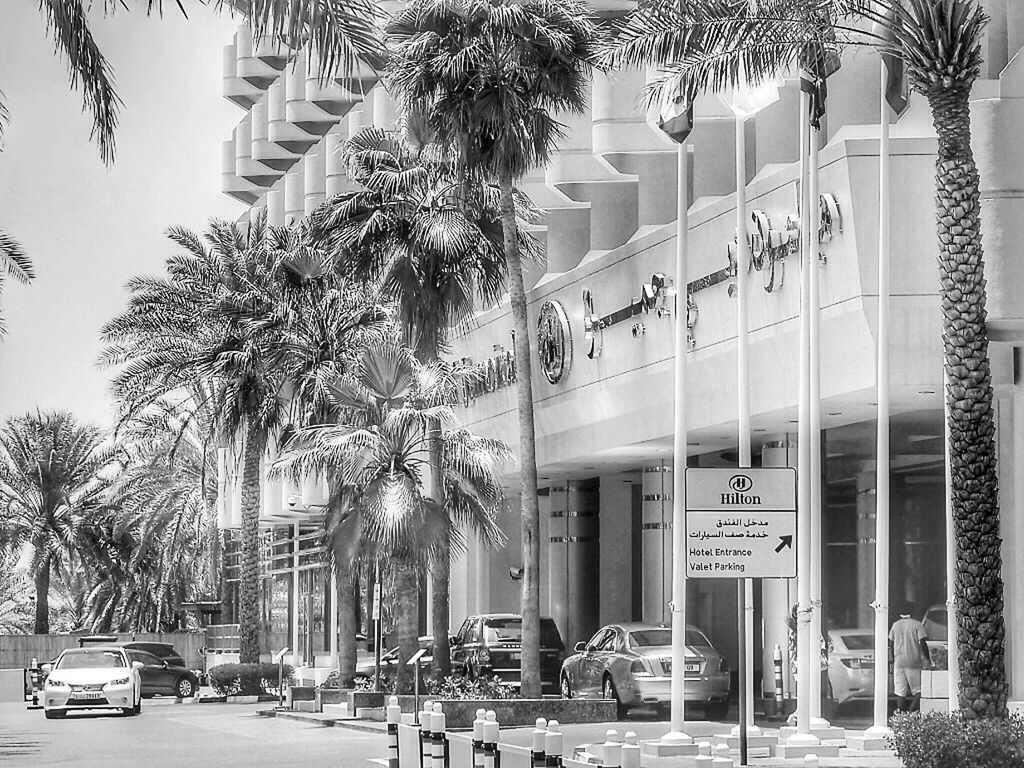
(907, 642)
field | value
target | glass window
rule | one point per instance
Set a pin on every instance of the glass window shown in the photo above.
(646, 638)
(91, 659)
(861, 642)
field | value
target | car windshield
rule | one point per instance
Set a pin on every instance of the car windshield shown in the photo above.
(511, 631)
(859, 642)
(647, 638)
(90, 660)
(937, 616)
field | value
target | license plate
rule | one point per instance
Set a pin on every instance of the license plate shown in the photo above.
(88, 695)
(693, 667)
(515, 655)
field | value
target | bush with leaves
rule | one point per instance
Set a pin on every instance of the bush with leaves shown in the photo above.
(247, 679)
(462, 687)
(938, 740)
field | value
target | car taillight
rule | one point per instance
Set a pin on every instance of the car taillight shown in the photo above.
(859, 663)
(723, 665)
(639, 669)
(483, 656)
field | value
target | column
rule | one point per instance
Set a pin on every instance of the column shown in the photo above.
(294, 613)
(657, 542)
(335, 661)
(777, 595)
(385, 113)
(334, 162)
(294, 195)
(315, 177)
(275, 204)
(616, 521)
(867, 515)
(574, 564)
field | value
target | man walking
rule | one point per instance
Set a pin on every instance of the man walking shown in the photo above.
(907, 639)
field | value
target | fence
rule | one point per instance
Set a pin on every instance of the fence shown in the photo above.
(17, 651)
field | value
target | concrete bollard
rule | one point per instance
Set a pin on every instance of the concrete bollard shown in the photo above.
(611, 751)
(426, 749)
(631, 751)
(478, 738)
(553, 745)
(810, 761)
(491, 757)
(437, 737)
(394, 717)
(721, 756)
(540, 730)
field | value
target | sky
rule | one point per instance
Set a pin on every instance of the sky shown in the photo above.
(87, 228)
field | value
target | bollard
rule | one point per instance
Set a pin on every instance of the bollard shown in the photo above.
(611, 751)
(491, 757)
(537, 759)
(394, 717)
(426, 749)
(553, 745)
(810, 761)
(777, 664)
(437, 736)
(478, 738)
(721, 757)
(703, 758)
(630, 751)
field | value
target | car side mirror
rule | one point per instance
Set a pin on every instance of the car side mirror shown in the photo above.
(46, 668)
(137, 665)
(580, 647)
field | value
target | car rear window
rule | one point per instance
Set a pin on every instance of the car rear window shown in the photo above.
(859, 642)
(646, 638)
(86, 659)
(511, 631)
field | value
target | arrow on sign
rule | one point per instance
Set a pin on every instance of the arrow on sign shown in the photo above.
(784, 541)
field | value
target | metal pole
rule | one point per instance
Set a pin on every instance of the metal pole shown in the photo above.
(880, 726)
(953, 654)
(678, 605)
(745, 696)
(378, 635)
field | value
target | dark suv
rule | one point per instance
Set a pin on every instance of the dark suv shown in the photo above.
(492, 645)
(163, 651)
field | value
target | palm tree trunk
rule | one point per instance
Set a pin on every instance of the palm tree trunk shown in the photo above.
(249, 570)
(347, 626)
(213, 554)
(972, 454)
(406, 620)
(440, 571)
(42, 583)
(530, 605)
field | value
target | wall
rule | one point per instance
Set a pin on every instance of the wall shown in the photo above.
(17, 651)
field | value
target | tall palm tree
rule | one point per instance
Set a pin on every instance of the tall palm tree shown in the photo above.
(374, 457)
(487, 78)
(433, 244)
(940, 43)
(50, 481)
(14, 262)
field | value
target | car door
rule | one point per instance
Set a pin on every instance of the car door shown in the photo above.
(458, 649)
(156, 678)
(592, 664)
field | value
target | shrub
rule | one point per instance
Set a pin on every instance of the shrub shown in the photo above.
(462, 687)
(246, 679)
(940, 657)
(365, 684)
(938, 740)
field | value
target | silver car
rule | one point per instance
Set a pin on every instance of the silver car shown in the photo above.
(632, 664)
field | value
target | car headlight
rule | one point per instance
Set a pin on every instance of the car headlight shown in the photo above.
(639, 669)
(55, 683)
(120, 681)
(723, 665)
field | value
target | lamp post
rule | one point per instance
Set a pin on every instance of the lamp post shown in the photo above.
(745, 101)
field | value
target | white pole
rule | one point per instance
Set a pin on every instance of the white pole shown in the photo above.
(880, 727)
(743, 393)
(296, 655)
(951, 624)
(678, 606)
(804, 666)
(335, 658)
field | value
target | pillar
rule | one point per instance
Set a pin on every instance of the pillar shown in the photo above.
(574, 559)
(657, 542)
(294, 613)
(777, 595)
(315, 177)
(275, 204)
(1010, 433)
(867, 515)
(615, 517)
(385, 113)
(334, 162)
(335, 661)
(294, 195)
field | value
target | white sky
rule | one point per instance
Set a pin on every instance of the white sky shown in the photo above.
(88, 229)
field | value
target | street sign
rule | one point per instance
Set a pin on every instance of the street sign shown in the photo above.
(740, 523)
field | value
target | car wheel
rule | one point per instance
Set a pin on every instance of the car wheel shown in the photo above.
(716, 710)
(55, 714)
(608, 692)
(565, 687)
(185, 688)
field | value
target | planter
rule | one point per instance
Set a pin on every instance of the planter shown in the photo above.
(934, 684)
(242, 699)
(460, 713)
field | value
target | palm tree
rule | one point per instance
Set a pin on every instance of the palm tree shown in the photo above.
(14, 262)
(374, 457)
(940, 43)
(50, 482)
(434, 245)
(487, 77)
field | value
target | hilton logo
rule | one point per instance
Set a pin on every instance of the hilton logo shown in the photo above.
(740, 484)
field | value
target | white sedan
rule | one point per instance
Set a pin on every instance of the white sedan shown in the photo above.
(94, 677)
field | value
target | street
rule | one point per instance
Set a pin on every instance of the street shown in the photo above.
(173, 735)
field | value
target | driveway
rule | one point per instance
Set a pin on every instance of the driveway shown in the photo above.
(170, 735)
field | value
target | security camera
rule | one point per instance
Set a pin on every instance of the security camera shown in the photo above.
(293, 501)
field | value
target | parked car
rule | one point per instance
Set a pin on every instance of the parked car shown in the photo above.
(162, 677)
(491, 644)
(389, 661)
(632, 664)
(851, 666)
(163, 651)
(93, 677)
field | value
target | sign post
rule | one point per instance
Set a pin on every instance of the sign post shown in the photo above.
(741, 524)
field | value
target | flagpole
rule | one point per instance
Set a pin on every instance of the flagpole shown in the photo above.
(678, 606)
(880, 727)
(803, 736)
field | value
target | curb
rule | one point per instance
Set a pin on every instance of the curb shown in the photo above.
(321, 721)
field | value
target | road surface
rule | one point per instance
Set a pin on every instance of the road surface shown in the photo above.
(169, 735)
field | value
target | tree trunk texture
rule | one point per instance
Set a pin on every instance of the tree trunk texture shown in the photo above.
(440, 571)
(213, 562)
(42, 582)
(347, 626)
(406, 620)
(530, 605)
(249, 560)
(972, 451)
